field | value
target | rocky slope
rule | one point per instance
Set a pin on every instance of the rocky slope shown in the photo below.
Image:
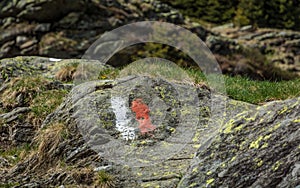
(93, 137)
(281, 47)
(53, 133)
(44, 28)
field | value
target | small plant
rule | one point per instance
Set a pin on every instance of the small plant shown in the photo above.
(65, 74)
(83, 176)
(105, 180)
(108, 74)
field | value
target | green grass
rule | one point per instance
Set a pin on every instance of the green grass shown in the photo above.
(44, 103)
(238, 88)
(15, 154)
(157, 68)
(251, 91)
(257, 92)
(25, 86)
(105, 180)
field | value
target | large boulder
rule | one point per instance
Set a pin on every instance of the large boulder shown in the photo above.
(97, 128)
(257, 148)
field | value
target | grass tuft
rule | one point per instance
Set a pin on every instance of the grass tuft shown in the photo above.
(65, 74)
(105, 180)
(48, 140)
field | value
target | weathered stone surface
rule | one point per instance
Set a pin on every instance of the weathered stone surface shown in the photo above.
(33, 65)
(257, 148)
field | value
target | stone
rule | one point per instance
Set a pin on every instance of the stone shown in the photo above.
(256, 148)
(4, 163)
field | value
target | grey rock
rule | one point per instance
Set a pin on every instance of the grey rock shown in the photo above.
(10, 116)
(23, 133)
(4, 163)
(257, 149)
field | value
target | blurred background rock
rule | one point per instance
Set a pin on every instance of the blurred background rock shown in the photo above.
(248, 37)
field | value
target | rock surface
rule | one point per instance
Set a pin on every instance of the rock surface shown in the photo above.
(257, 148)
(200, 139)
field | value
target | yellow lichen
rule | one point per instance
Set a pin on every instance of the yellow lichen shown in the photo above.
(210, 181)
(242, 145)
(233, 158)
(239, 128)
(150, 185)
(259, 162)
(283, 110)
(250, 118)
(229, 126)
(195, 170)
(195, 139)
(209, 173)
(193, 185)
(267, 137)
(255, 144)
(172, 130)
(275, 127)
(276, 166)
(264, 145)
(296, 121)
(143, 142)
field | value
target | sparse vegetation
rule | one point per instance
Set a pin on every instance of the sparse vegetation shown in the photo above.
(34, 93)
(155, 67)
(84, 176)
(45, 103)
(108, 74)
(15, 154)
(105, 180)
(22, 90)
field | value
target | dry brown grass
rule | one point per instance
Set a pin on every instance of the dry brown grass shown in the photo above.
(65, 74)
(48, 140)
(83, 176)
